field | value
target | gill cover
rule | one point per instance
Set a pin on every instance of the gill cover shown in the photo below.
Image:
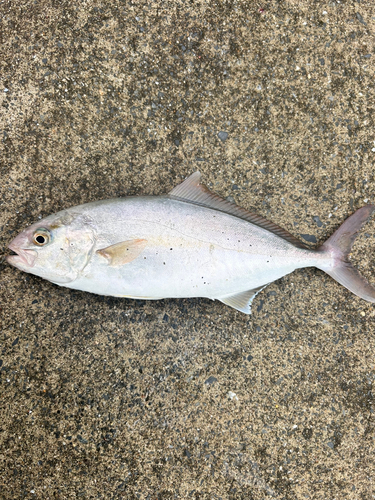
(76, 236)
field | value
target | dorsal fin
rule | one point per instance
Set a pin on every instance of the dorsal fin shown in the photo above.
(193, 192)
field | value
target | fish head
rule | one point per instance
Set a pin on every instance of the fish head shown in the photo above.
(56, 248)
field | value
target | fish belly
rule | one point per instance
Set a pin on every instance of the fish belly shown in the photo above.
(191, 251)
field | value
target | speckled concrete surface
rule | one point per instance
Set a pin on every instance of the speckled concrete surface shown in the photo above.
(110, 398)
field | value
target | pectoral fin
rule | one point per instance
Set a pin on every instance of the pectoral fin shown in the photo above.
(123, 252)
(242, 301)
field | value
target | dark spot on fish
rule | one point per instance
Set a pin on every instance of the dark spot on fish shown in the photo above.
(164, 263)
(171, 249)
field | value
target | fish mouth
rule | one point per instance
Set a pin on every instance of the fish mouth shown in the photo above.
(21, 257)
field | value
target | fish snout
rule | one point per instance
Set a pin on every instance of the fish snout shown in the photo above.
(21, 257)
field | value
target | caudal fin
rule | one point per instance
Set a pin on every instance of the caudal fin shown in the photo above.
(339, 246)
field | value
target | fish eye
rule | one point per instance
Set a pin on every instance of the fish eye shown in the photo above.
(42, 237)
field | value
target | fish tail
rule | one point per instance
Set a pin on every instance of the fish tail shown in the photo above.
(338, 247)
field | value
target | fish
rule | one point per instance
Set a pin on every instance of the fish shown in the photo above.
(188, 243)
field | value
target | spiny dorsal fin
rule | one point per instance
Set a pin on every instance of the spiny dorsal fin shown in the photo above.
(193, 192)
(242, 301)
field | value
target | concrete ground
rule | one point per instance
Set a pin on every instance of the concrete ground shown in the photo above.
(111, 398)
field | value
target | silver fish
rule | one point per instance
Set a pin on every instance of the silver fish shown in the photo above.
(188, 243)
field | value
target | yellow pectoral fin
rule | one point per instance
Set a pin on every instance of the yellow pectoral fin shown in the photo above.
(123, 252)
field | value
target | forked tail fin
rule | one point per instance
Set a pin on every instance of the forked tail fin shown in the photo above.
(339, 246)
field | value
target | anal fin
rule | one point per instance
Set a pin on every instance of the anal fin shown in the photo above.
(242, 301)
